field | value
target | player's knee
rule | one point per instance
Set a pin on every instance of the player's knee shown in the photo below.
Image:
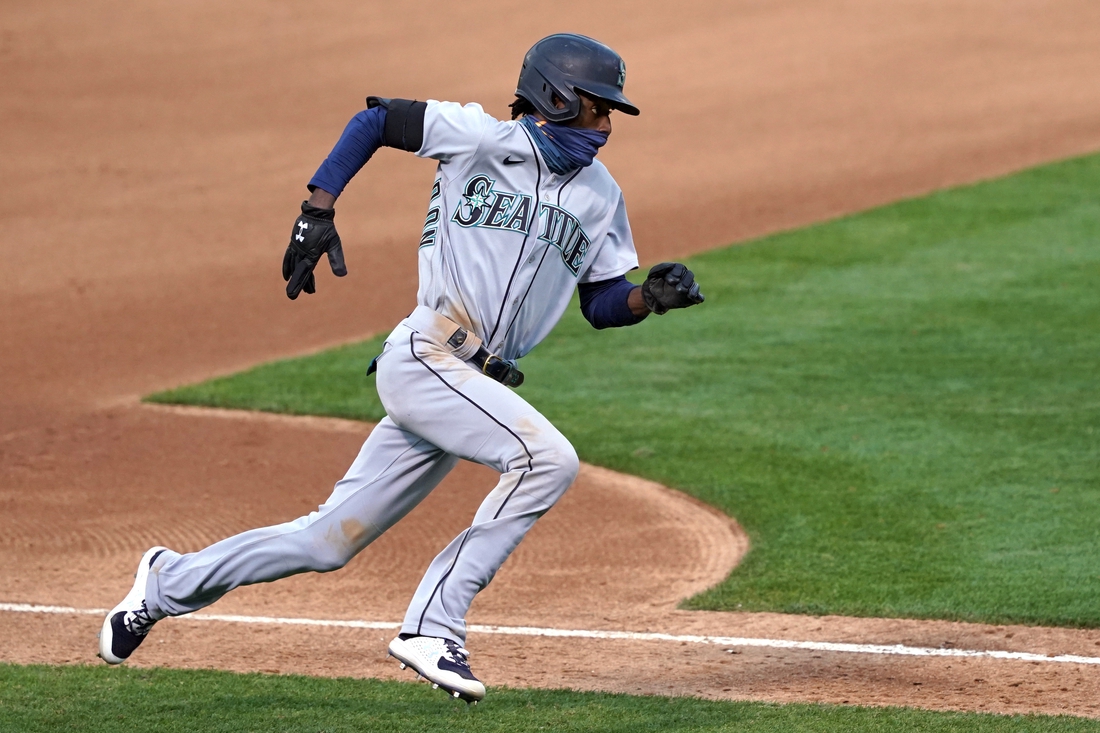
(559, 457)
(571, 463)
(331, 548)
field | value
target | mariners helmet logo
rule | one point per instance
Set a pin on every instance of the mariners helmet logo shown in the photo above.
(622, 74)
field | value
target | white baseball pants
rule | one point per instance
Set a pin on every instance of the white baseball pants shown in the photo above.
(439, 409)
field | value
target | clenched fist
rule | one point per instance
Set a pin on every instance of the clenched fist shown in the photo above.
(314, 233)
(670, 285)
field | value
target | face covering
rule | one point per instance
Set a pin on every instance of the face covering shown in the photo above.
(564, 148)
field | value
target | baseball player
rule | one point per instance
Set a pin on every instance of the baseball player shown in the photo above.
(520, 214)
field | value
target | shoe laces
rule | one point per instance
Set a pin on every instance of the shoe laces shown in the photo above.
(456, 654)
(139, 621)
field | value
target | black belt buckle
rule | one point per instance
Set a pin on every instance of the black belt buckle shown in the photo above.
(502, 371)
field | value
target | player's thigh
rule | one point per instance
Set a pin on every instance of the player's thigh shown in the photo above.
(429, 392)
(394, 462)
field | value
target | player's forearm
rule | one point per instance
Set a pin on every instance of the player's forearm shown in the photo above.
(612, 303)
(360, 140)
(396, 123)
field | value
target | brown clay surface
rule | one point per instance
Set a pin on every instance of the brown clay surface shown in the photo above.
(155, 153)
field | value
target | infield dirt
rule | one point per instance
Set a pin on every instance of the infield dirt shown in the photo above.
(155, 155)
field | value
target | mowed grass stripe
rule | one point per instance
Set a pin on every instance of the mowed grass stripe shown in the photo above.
(901, 406)
(96, 699)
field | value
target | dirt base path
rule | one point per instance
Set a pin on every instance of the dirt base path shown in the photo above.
(158, 153)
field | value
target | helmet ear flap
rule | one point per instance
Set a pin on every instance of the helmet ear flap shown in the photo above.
(540, 85)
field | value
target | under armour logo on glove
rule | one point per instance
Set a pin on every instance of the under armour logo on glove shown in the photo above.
(314, 233)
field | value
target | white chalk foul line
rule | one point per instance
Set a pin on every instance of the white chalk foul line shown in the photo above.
(725, 641)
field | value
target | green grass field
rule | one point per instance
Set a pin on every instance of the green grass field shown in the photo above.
(901, 407)
(100, 699)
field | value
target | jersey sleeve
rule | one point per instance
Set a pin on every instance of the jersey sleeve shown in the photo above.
(453, 132)
(616, 255)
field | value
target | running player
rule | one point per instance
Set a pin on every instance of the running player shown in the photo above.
(520, 214)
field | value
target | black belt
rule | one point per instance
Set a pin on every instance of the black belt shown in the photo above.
(489, 363)
(495, 367)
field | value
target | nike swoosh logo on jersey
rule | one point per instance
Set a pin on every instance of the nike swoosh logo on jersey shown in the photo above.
(509, 161)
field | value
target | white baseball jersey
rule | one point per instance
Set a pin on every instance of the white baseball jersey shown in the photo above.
(506, 241)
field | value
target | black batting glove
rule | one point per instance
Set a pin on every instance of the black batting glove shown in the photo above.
(314, 233)
(670, 285)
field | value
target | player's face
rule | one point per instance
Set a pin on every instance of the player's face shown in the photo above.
(595, 114)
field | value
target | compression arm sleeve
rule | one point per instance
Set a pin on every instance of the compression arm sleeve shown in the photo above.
(604, 303)
(362, 137)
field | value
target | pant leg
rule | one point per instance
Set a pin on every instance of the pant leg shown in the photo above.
(393, 472)
(472, 416)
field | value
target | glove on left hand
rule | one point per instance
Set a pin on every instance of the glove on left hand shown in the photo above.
(670, 285)
(314, 233)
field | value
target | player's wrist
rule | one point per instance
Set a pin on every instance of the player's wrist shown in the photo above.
(318, 213)
(322, 199)
(636, 302)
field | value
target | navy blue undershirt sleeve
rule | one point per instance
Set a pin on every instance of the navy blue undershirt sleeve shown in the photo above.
(604, 303)
(362, 137)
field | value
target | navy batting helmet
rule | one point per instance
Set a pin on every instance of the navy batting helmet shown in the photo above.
(564, 64)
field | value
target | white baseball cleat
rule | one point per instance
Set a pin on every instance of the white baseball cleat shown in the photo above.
(442, 662)
(127, 624)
